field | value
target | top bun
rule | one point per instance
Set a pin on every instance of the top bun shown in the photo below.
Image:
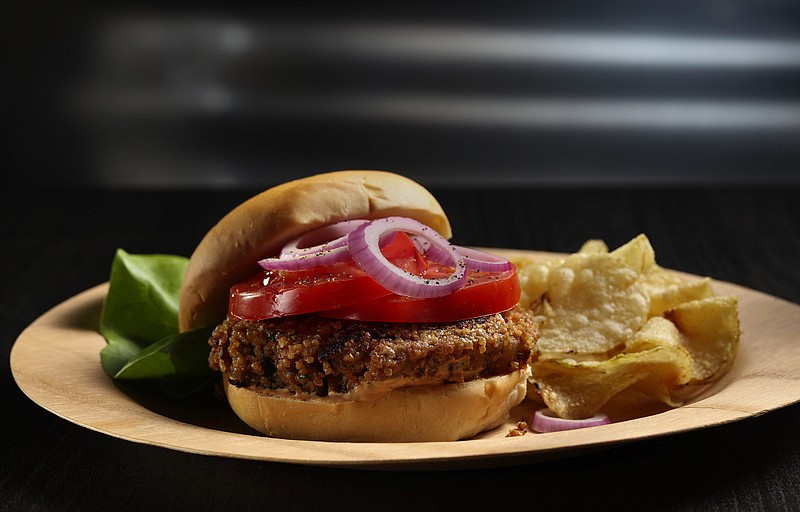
(261, 226)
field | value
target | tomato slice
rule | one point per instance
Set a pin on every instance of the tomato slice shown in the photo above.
(485, 293)
(344, 291)
(270, 294)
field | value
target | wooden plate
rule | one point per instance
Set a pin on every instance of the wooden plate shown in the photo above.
(56, 363)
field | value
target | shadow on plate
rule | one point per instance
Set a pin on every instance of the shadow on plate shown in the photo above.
(205, 408)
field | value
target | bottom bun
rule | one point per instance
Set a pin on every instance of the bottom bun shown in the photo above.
(445, 412)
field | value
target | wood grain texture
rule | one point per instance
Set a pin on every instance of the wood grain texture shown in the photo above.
(765, 377)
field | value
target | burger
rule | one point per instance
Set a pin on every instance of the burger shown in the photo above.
(343, 313)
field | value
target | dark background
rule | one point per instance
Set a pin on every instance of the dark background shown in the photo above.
(198, 94)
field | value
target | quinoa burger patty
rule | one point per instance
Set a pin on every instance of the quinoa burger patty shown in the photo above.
(310, 354)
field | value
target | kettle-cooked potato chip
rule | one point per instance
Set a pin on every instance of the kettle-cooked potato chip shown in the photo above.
(594, 246)
(611, 321)
(578, 389)
(638, 254)
(532, 281)
(593, 304)
(710, 329)
(667, 291)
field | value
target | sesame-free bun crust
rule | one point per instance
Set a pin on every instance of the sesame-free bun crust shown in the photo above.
(260, 226)
(444, 412)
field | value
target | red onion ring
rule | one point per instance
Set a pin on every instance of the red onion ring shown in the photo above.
(363, 243)
(474, 258)
(544, 420)
(320, 239)
(309, 260)
(330, 247)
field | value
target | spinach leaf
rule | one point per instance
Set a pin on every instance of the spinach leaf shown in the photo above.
(179, 354)
(140, 321)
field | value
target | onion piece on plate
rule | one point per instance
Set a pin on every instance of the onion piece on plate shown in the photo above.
(544, 420)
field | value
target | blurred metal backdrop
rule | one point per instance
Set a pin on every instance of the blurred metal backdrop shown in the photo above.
(193, 95)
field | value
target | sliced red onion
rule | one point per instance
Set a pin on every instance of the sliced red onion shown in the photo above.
(320, 239)
(364, 241)
(474, 258)
(310, 260)
(544, 420)
(330, 246)
(482, 260)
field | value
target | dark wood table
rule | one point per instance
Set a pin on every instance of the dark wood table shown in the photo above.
(60, 242)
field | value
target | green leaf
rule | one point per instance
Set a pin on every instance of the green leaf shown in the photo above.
(141, 309)
(179, 354)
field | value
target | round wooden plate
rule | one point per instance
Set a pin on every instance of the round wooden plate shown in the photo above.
(56, 363)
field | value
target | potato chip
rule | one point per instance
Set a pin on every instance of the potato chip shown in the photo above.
(710, 329)
(638, 254)
(578, 389)
(667, 291)
(594, 247)
(532, 282)
(657, 332)
(593, 304)
(614, 321)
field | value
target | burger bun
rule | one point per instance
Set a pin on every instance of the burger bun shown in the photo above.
(444, 412)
